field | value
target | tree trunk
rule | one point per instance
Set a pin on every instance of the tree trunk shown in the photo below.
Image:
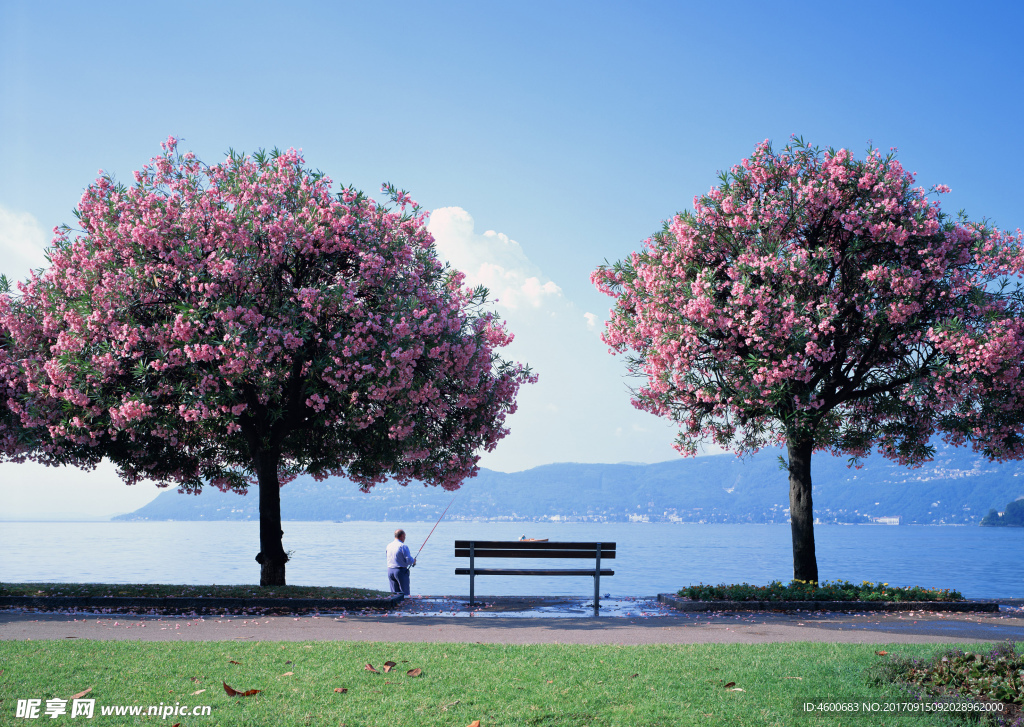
(801, 510)
(271, 556)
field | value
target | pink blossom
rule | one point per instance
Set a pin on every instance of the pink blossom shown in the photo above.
(814, 297)
(251, 316)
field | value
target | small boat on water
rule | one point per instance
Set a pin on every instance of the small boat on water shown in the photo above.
(525, 539)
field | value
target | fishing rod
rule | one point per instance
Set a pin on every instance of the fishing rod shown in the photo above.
(434, 528)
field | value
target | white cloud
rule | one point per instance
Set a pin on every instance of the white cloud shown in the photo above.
(579, 411)
(492, 260)
(22, 244)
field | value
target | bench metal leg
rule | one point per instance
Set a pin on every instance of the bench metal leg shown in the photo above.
(472, 575)
(597, 580)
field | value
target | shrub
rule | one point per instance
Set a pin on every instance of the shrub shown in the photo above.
(826, 591)
(996, 676)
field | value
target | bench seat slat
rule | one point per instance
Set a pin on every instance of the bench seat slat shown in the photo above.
(532, 545)
(493, 553)
(523, 572)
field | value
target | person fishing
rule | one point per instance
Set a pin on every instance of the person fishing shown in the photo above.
(399, 562)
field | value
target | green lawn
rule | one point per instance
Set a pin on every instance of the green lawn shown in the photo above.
(549, 685)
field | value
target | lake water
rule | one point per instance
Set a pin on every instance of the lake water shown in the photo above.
(652, 557)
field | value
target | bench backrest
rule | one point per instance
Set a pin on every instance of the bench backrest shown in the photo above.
(531, 549)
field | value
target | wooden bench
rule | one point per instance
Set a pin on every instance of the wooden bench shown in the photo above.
(474, 549)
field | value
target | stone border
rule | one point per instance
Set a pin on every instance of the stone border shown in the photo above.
(670, 599)
(175, 605)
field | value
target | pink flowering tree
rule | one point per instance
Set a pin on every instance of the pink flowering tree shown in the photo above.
(238, 324)
(825, 303)
(22, 438)
(12, 435)
(16, 440)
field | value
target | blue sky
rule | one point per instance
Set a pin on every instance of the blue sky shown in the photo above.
(547, 136)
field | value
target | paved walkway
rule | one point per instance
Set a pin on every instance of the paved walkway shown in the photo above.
(648, 623)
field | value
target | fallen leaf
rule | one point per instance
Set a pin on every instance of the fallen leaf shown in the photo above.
(389, 665)
(475, 723)
(414, 672)
(82, 694)
(287, 662)
(340, 690)
(369, 667)
(634, 676)
(176, 724)
(882, 653)
(232, 692)
(234, 662)
(737, 689)
(288, 674)
(730, 684)
(198, 691)
(194, 679)
(552, 681)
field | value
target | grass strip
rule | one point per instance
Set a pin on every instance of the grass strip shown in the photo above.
(827, 591)
(536, 685)
(159, 590)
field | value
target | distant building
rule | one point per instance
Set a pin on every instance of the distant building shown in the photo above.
(887, 520)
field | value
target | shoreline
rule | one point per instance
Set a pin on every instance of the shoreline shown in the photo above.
(488, 606)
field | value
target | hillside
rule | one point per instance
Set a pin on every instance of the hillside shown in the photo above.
(957, 487)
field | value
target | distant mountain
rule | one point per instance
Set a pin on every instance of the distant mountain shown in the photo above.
(957, 487)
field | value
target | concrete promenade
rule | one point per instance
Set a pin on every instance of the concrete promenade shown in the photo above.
(641, 621)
